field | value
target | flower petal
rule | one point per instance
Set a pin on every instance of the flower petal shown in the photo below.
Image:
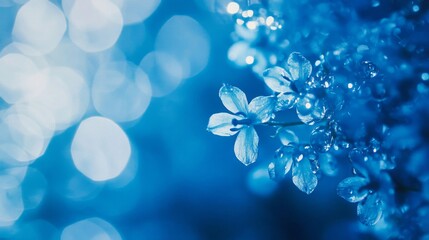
(233, 99)
(262, 108)
(246, 146)
(299, 67)
(351, 189)
(277, 79)
(303, 176)
(282, 163)
(221, 124)
(370, 209)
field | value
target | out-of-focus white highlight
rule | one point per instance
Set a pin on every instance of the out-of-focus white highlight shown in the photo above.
(232, 8)
(164, 72)
(136, 11)
(65, 96)
(121, 91)
(22, 139)
(259, 182)
(100, 149)
(19, 79)
(183, 38)
(94, 25)
(40, 25)
(11, 204)
(91, 228)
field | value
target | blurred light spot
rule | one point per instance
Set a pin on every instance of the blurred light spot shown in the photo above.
(259, 182)
(100, 149)
(80, 188)
(250, 60)
(308, 105)
(12, 177)
(136, 11)
(65, 96)
(38, 114)
(164, 71)
(40, 25)
(216, 6)
(91, 228)
(94, 25)
(425, 76)
(19, 78)
(416, 8)
(317, 63)
(238, 53)
(251, 25)
(6, 3)
(191, 46)
(269, 21)
(121, 91)
(350, 85)
(33, 188)
(68, 54)
(37, 229)
(11, 205)
(22, 138)
(232, 8)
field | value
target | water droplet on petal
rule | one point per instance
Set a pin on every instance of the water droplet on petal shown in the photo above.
(352, 189)
(310, 109)
(321, 139)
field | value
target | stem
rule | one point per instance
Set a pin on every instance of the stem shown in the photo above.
(283, 124)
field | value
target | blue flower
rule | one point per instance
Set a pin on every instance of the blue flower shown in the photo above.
(244, 116)
(302, 159)
(372, 191)
(291, 82)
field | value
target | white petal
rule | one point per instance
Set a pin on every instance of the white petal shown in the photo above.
(370, 210)
(276, 79)
(221, 124)
(262, 107)
(233, 99)
(303, 176)
(299, 67)
(246, 146)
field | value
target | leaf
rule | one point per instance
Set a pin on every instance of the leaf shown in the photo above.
(370, 211)
(303, 176)
(246, 146)
(351, 189)
(277, 79)
(262, 108)
(233, 99)
(221, 124)
(299, 67)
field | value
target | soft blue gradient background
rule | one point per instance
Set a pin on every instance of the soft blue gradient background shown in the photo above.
(189, 184)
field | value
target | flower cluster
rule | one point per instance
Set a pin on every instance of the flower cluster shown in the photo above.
(364, 107)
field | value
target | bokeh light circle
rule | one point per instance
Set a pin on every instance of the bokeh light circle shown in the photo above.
(40, 25)
(91, 228)
(100, 149)
(94, 25)
(121, 91)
